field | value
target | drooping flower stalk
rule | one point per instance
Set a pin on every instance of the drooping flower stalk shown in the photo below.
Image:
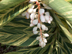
(38, 18)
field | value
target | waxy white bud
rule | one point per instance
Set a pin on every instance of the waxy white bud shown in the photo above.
(47, 18)
(41, 11)
(35, 21)
(31, 25)
(36, 15)
(38, 25)
(45, 35)
(32, 0)
(47, 13)
(30, 10)
(35, 32)
(44, 27)
(38, 38)
(51, 18)
(45, 41)
(42, 18)
(32, 16)
(49, 21)
(34, 10)
(35, 29)
(27, 15)
(42, 44)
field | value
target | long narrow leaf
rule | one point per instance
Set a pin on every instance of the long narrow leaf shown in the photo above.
(68, 34)
(12, 13)
(5, 4)
(62, 7)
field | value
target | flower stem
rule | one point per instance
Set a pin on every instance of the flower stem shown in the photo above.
(39, 20)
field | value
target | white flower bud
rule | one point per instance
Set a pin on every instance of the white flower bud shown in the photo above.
(35, 32)
(30, 10)
(35, 21)
(42, 18)
(41, 11)
(32, 16)
(31, 25)
(45, 35)
(36, 15)
(49, 21)
(47, 13)
(47, 18)
(44, 27)
(45, 41)
(38, 38)
(38, 25)
(31, 21)
(51, 18)
(32, 0)
(34, 10)
(42, 44)
(27, 15)
(35, 29)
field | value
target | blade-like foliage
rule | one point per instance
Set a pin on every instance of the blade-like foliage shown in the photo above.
(62, 7)
(64, 29)
(18, 33)
(56, 46)
(12, 13)
(5, 4)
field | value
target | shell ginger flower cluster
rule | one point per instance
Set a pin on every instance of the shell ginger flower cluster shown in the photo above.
(38, 16)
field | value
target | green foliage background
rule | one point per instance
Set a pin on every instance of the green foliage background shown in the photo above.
(17, 32)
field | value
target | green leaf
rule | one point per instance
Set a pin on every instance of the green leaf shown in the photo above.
(64, 29)
(62, 7)
(5, 4)
(18, 33)
(12, 13)
(37, 50)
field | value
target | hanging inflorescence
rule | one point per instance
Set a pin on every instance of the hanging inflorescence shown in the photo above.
(38, 15)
